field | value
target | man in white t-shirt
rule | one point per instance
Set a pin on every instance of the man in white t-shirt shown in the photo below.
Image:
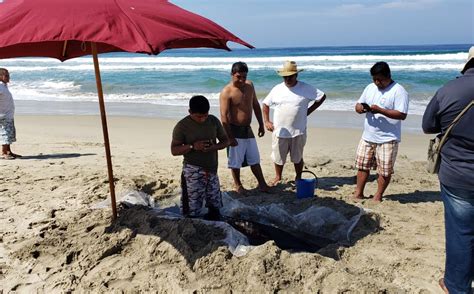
(385, 105)
(290, 100)
(7, 111)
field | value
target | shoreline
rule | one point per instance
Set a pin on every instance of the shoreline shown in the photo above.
(319, 118)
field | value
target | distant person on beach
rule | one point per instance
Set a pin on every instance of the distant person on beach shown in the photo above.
(456, 175)
(385, 105)
(7, 112)
(290, 100)
(237, 102)
(198, 137)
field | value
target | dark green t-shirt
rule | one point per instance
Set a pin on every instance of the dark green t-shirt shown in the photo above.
(188, 131)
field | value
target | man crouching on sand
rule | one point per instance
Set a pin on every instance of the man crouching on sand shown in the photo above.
(237, 100)
(195, 137)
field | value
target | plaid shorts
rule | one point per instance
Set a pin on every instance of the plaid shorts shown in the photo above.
(377, 156)
(7, 131)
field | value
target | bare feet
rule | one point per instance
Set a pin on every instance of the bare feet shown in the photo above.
(7, 156)
(275, 182)
(378, 198)
(240, 190)
(358, 196)
(443, 286)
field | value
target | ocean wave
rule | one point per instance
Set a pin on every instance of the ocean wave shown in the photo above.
(226, 67)
(417, 104)
(137, 59)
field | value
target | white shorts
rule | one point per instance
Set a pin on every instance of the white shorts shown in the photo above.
(282, 146)
(246, 150)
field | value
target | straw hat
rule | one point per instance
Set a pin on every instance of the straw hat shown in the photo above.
(289, 69)
(470, 58)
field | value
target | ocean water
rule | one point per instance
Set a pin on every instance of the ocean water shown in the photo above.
(142, 85)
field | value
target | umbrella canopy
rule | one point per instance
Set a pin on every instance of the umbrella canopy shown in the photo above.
(59, 28)
(65, 29)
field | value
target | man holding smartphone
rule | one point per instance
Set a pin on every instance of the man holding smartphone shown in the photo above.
(385, 105)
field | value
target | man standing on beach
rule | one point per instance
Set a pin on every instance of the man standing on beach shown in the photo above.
(7, 111)
(237, 100)
(290, 100)
(385, 105)
(456, 175)
(198, 137)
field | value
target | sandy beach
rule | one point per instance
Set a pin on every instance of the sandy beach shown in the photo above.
(51, 240)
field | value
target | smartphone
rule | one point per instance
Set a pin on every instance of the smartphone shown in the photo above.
(366, 106)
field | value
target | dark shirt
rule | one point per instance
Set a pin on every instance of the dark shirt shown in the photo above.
(457, 154)
(189, 131)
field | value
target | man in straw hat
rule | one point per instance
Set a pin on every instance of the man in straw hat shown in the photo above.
(290, 100)
(456, 175)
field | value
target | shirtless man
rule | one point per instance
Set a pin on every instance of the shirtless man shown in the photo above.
(237, 101)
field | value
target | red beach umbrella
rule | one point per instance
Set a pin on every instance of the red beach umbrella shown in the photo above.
(65, 29)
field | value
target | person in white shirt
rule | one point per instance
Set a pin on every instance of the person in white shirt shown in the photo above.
(290, 100)
(385, 105)
(7, 111)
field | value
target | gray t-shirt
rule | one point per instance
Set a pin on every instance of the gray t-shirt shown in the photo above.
(188, 131)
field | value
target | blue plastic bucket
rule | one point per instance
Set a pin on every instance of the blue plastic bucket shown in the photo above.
(305, 187)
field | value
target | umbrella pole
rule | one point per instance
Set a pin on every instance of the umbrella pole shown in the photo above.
(104, 129)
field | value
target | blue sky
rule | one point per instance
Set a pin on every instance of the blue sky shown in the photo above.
(292, 23)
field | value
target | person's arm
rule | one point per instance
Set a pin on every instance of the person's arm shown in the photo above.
(224, 101)
(431, 123)
(266, 117)
(258, 113)
(316, 105)
(390, 113)
(179, 148)
(222, 137)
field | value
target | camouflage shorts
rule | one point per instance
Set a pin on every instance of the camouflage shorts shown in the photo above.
(197, 185)
(7, 131)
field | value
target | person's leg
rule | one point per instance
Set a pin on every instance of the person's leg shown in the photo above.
(213, 196)
(239, 188)
(459, 230)
(362, 176)
(385, 155)
(193, 190)
(382, 184)
(257, 172)
(296, 154)
(280, 149)
(6, 149)
(236, 155)
(278, 174)
(365, 160)
(298, 169)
